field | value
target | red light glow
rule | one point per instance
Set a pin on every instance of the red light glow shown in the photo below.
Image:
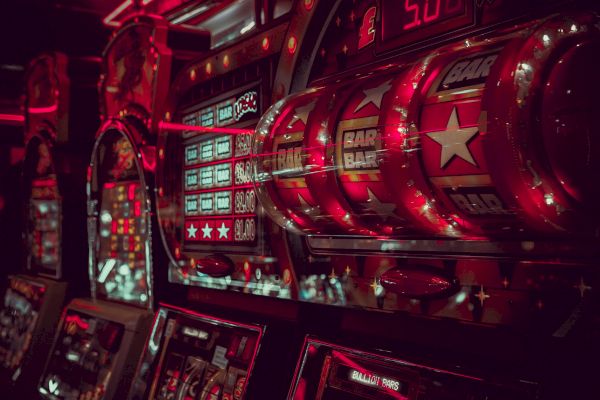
(43, 110)
(292, 44)
(265, 43)
(12, 118)
(308, 4)
(77, 321)
(131, 192)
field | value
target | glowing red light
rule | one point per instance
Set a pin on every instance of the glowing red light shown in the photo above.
(308, 4)
(78, 321)
(292, 44)
(131, 191)
(137, 208)
(226, 61)
(12, 118)
(114, 228)
(43, 110)
(265, 43)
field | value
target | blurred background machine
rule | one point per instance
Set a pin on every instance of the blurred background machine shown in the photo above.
(60, 118)
(100, 340)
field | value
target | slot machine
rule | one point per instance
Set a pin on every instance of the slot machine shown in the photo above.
(99, 340)
(219, 243)
(60, 117)
(431, 165)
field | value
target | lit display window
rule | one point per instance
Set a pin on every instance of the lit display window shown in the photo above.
(43, 209)
(121, 222)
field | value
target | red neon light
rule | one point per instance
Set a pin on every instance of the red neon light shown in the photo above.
(308, 4)
(47, 182)
(109, 185)
(419, 12)
(78, 321)
(114, 227)
(169, 126)
(43, 110)
(137, 208)
(12, 118)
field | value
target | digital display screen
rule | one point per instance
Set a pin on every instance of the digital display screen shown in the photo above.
(202, 359)
(122, 236)
(121, 223)
(411, 21)
(82, 359)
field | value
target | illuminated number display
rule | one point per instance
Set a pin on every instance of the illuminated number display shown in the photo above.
(411, 21)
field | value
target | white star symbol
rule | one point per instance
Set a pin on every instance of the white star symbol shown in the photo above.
(206, 231)
(312, 212)
(192, 231)
(374, 95)
(384, 210)
(223, 230)
(301, 113)
(582, 287)
(454, 140)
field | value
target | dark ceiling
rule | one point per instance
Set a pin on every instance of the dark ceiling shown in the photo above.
(28, 27)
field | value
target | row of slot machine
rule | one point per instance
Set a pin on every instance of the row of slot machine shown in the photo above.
(358, 200)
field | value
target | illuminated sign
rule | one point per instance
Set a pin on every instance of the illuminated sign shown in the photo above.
(193, 332)
(245, 104)
(370, 379)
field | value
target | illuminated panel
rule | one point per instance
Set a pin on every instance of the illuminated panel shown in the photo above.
(122, 237)
(83, 357)
(199, 357)
(18, 318)
(330, 372)
(218, 197)
(412, 21)
(44, 222)
(122, 225)
(43, 209)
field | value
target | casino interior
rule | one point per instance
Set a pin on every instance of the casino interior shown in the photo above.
(299, 199)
